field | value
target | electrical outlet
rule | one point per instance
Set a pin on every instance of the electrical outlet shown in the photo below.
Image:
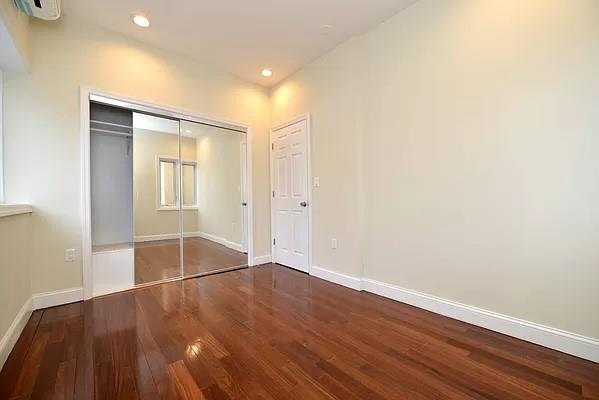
(69, 255)
(333, 243)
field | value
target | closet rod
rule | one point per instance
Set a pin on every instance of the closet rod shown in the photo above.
(117, 133)
(110, 123)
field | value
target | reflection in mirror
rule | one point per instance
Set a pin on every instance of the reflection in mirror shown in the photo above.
(168, 183)
(189, 184)
(214, 187)
(155, 198)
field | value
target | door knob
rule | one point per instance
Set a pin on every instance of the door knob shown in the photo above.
(304, 204)
(244, 204)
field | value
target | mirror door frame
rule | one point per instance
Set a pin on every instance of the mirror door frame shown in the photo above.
(88, 94)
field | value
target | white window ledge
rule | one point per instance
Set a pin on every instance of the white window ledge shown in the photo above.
(176, 208)
(7, 210)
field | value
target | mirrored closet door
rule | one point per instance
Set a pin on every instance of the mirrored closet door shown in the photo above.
(156, 203)
(168, 196)
(213, 192)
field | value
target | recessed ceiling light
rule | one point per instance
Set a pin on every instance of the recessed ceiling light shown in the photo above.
(266, 72)
(187, 131)
(141, 20)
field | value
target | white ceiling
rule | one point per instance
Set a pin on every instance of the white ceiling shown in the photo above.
(242, 36)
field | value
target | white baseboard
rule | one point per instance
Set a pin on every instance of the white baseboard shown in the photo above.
(36, 302)
(207, 236)
(8, 341)
(341, 279)
(57, 298)
(164, 236)
(221, 240)
(260, 260)
(557, 339)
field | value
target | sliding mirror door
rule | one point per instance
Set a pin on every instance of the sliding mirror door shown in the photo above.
(213, 194)
(156, 181)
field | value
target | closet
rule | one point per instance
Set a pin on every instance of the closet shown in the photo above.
(168, 196)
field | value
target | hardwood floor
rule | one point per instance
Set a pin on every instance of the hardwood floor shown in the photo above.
(158, 260)
(273, 333)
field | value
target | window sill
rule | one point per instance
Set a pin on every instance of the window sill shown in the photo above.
(6, 210)
(177, 208)
(167, 208)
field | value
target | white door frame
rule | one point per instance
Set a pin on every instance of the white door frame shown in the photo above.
(243, 198)
(299, 118)
(84, 124)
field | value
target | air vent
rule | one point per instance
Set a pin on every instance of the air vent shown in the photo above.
(44, 9)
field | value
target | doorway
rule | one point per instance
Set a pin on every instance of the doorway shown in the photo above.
(290, 194)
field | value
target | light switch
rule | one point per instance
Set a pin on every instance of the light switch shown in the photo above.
(316, 181)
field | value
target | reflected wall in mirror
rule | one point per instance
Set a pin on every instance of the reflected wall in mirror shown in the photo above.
(214, 185)
(156, 198)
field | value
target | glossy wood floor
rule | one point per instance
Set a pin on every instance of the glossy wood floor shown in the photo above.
(273, 333)
(158, 260)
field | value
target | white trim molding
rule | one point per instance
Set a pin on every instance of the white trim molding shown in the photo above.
(36, 302)
(220, 240)
(203, 235)
(7, 210)
(164, 236)
(8, 341)
(261, 260)
(341, 279)
(56, 298)
(553, 338)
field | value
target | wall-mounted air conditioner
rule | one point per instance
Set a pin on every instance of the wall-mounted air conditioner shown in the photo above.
(44, 9)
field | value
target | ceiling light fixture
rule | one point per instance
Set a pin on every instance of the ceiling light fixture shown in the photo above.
(141, 20)
(266, 72)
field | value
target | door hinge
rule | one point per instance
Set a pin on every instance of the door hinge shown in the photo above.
(272, 146)
(274, 242)
(273, 193)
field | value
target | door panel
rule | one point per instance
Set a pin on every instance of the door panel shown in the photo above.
(218, 240)
(290, 202)
(157, 217)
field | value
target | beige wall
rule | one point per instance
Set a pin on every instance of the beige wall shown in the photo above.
(147, 145)
(42, 107)
(329, 90)
(219, 173)
(15, 264)
(474, 128)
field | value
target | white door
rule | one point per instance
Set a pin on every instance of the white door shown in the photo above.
(290, 195)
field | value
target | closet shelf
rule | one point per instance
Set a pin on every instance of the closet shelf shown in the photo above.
(109, 131)
(95, 121)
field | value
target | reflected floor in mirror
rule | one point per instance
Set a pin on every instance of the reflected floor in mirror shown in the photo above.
(273, 333)
(159, 259)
